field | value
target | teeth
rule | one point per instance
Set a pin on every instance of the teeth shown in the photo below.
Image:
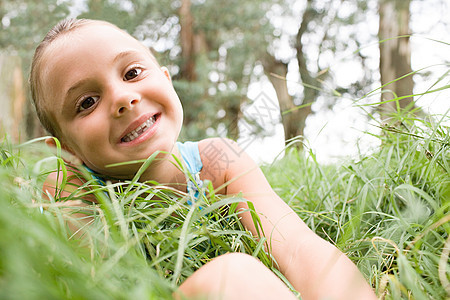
(138, 131)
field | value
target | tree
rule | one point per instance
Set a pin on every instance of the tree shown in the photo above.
(395, 56)
(317, 37)
(213, 47)
(291, 117)
(12, 97)
(23, 24)
(220, 43)
(311, 81)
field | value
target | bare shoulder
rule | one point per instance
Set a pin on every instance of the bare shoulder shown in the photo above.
(224, 152)
(220, 147)
(224, 160)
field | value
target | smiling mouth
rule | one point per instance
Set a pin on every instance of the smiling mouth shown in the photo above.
(140, 130)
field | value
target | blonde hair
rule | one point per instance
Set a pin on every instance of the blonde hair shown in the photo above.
(61, 29)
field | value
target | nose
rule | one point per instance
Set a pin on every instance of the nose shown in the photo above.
(124, 101)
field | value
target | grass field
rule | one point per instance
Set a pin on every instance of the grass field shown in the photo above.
(388, 211)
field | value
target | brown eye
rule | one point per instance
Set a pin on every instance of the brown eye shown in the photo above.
(88, 103)
(133, 73)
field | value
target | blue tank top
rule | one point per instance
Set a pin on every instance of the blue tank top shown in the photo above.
(191, 157)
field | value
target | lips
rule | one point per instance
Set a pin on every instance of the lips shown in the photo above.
(142, 126)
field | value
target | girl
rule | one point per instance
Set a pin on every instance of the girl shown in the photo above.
(106, 98)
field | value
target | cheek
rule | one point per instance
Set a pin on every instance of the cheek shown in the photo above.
(85, 136)
(178, 109)
(181, 120)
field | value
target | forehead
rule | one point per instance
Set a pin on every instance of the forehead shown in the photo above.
(88, 43)
(76, 54)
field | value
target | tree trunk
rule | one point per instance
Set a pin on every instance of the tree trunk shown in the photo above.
(193, 45)
(395, 56)
(292, 118)
(12, 99)
(187, 67)
(310, 83)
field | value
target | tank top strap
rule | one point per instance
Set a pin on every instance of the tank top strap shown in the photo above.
(191, 157)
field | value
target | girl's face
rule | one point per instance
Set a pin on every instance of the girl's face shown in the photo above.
(111, 100)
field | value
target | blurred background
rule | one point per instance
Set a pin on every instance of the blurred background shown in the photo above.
(263, 72)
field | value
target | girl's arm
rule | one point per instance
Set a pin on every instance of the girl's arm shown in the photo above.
(312, 265)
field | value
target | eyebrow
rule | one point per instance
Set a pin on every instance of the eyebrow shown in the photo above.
(76, 86)
(125, 54)
(118, 57)
(66, 103)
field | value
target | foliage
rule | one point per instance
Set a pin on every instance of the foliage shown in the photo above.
(237, 37)
(25, 22)
(388, 211)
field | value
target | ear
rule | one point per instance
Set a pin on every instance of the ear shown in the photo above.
(52, 143)
(166, 72)
(70, 156)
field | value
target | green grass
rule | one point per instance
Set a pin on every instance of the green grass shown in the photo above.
(388, 211)
(39, 261)
(138, 246)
